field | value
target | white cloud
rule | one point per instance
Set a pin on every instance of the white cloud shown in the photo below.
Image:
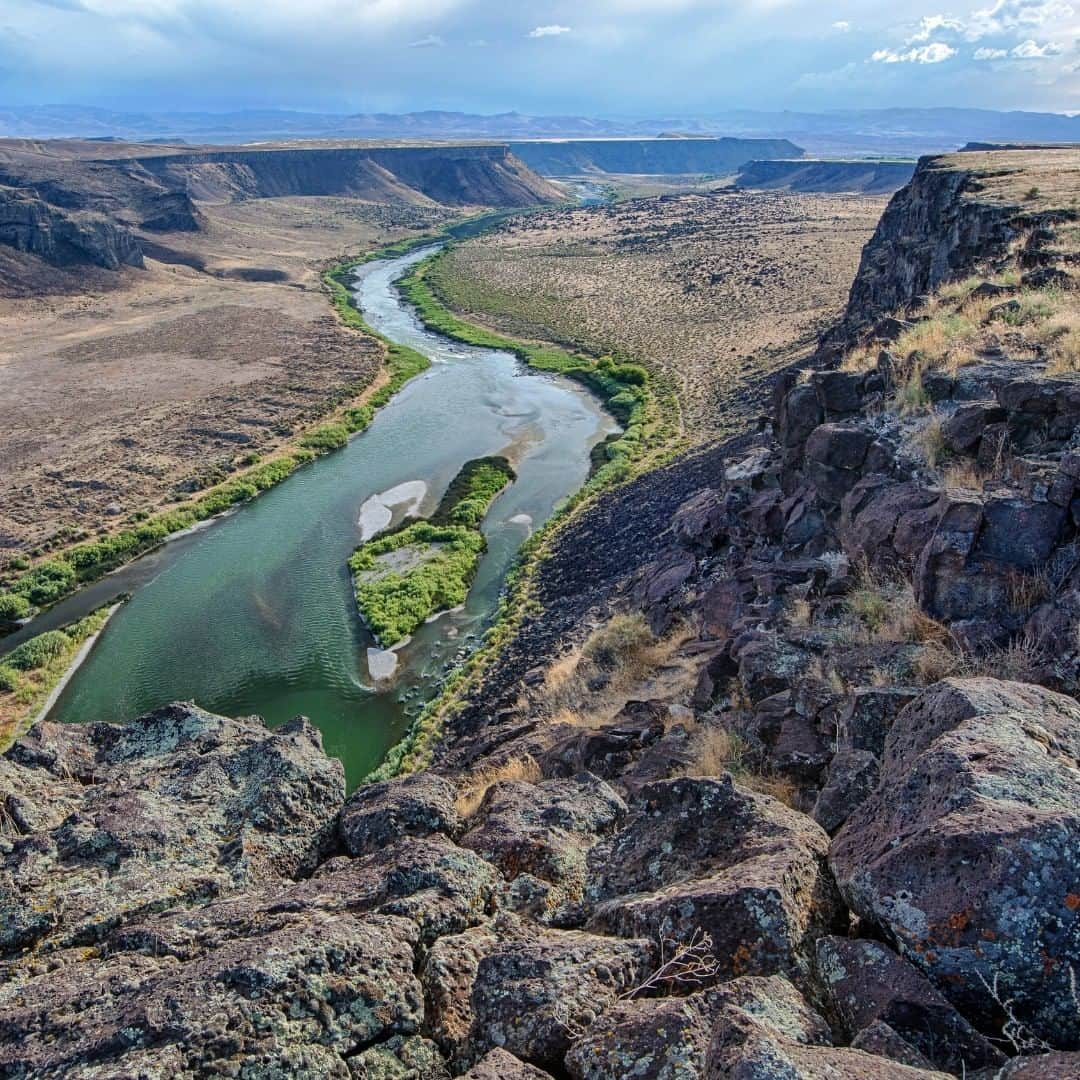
(432, 41)
(934, 53)
(842, 26)
(930, 25)
(991, 54)
(1031, 50)
(549, 31)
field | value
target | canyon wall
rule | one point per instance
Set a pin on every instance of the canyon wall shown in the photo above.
(574, 157)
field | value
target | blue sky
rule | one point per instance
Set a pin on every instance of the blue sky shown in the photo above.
(589, 57)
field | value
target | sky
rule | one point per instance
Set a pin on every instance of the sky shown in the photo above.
(615, 58)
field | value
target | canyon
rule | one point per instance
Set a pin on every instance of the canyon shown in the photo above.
(775, 774)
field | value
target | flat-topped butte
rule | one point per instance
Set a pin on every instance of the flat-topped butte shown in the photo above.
(403, 577)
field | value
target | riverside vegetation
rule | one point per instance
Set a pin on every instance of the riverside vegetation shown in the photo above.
(404, 577)
(648, 409)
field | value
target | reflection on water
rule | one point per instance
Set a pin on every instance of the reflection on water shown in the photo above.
(256, 615)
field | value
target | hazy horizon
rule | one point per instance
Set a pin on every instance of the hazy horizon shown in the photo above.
(603, 58)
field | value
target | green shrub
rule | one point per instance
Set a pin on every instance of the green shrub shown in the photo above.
(618, 641)
(13, 607)
(326, 438)
(9, 680)
(47, 583)
(473, 490)
(396, 604)
(38, 651)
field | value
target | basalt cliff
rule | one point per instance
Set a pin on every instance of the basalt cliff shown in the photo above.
(71, 204)
(829, 826)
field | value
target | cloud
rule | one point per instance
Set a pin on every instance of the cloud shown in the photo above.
(930, 25)
(991, 54)
(549, 31)
(431, 41)
(1031, 50)
(843, 26)
(934, 53)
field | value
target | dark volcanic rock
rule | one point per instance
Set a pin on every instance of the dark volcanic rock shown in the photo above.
(525, 988)
(178, 806)
(286, 989)
(770, 1033)
(867, 983)
(499, 1065)
(851, 779)
(704, 855)
(967, 852)
(538, 835)
(378, 814)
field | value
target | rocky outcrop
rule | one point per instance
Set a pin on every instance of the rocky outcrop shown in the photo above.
(864, 177)
(72, 211)
(935, 229)
(967, 852)
(449, 175)
(576, 157)
(63, 237)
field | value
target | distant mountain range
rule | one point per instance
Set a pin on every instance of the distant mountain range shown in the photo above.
(877, 132)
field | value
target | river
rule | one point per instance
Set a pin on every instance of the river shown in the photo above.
(254, 614)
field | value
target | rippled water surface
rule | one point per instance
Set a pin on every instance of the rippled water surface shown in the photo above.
(255, 613)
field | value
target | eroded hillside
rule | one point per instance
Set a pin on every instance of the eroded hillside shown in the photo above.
(712, 291)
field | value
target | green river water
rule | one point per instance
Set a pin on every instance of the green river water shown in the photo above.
(255, 615)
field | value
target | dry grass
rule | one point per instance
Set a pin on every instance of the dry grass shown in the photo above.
(859, 360)
(1021, 660)
(620, 645)
(931, 442)
(911, 395)
(716, 751)
(801, 613)
(714, 290)
(473, 789)
(884, 609)
(1027, 591)
(933, 339)
(962, 475)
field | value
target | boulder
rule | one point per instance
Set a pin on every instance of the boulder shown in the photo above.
(1053, 1066)
(378, 814)
(404, 1057)
(966, 854)
(701, 521)
(608, 750)
(839, 446)
(176, 807)
(800, 413)
(880, 1039)
(867, 983)
(1044, 277)
(704, 856)
(852, 777)
(655, 1039)
(290, 988)
(885, 522)
(869, 714)
(774, 1035)
(839, 393)
(499, 1065)
(962, 431)
(525, 988)
(668, 1038)
(538, 836)
(442, 888)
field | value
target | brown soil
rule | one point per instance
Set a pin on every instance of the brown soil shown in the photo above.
(151, 382)
(713, 290)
